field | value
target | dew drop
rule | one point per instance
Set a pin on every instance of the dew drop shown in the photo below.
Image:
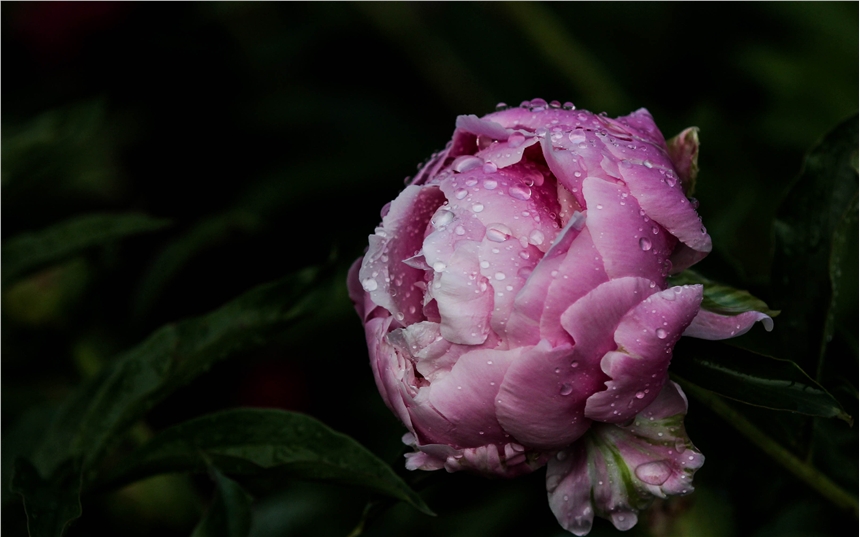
(654, 473)
(599, 206)
(536, 237)
(574, 364)
(442, 218)
(566, 389)
(498, 232)
(661, 333)
(460, 230)
(516, 139)
(485, 264)
(478, 207)
(369, 284)
(499, 276)
(489, 167)
(491, 184)
(465, 163)
(645, 244)
(460, 194)
(520, 192)
(640, 395)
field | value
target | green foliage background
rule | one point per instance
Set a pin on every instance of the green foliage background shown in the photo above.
(160, 160)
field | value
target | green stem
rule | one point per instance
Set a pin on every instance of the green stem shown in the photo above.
(803, 470)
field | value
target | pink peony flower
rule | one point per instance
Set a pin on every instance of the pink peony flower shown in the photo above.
(516, 308)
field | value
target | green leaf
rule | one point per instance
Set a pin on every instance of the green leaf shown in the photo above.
(230, 512)
(92, 418)
(806, 223)
(51, 504)
(753, 378)
(31, 251)
(722, 299)
(264, 446)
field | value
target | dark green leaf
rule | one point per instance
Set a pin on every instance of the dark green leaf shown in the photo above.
(753, 378)
(51, 504)
(30, 251)
(230, 512)
(267, 444)
(203, 235)
(806, 222)
(171, 357)
(720, 298)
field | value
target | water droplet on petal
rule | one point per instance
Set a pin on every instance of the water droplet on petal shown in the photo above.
(460, 194)
(516, 139)
(599, 206)
(478, 207)
(645, 244)
(566, 389)
(491, 184)
(680, 446)
(460, 230)
(369, 284)
(520, 192)
(499, 276)
(489, 167)
(442, 218)
(640, 395)
(498, 232)
(654, 473)
(661, 333)
(536, 237)
(465, 163)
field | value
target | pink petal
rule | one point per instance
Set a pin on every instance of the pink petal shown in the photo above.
(645, 338)
(615, 471)
(463, 296)
(482, 127)
(622, 233)
(593, 319)
(580, 271)
(466, 396)
(397, 239)
(709, 325)
(524, 324)
(665, 203)
(388, 367)
(542, 398)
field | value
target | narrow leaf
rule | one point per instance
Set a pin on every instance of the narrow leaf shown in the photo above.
(171, 357)
(31, 251)
(51, 504)
(722, 299)
(753, 378)
(230, 512)
(265, 445)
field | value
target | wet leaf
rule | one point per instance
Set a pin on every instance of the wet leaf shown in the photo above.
(805, 227)
(230, 512)
(171, 357)
(753, 378)
(31, 251)
(260, 445)
(722, 299)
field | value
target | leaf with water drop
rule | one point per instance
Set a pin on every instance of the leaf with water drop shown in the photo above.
(753, 378)
(720, 298)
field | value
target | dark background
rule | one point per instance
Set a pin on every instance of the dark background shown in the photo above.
(272, 134)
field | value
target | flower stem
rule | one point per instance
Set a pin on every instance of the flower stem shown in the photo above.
(803, 470)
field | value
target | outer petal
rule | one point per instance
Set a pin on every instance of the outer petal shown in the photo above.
(388, 367)
(709, 325)
(645, 338)
(622, 233)
(665, 202)
(466, 396)
(482, 127)
(542, 398)
(383, 274)
(493, 460)
(616, 471)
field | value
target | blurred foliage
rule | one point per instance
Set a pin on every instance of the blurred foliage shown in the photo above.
(270, 135)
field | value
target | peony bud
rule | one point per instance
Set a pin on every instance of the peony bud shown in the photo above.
(517, 314)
